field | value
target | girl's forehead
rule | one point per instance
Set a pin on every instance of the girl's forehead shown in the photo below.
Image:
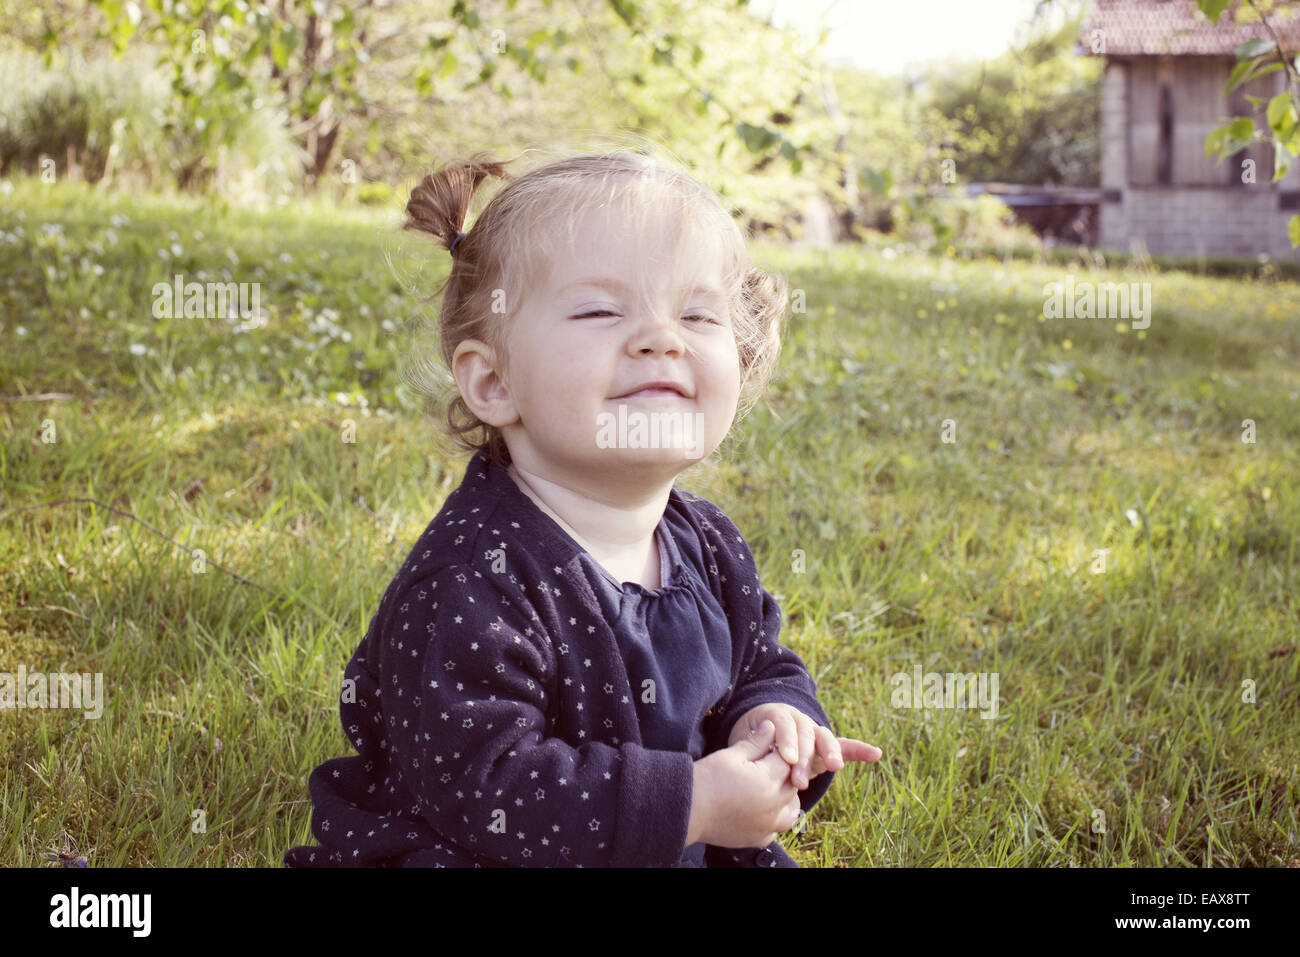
(605, 245)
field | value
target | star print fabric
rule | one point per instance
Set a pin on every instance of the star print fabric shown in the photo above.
(512, 704)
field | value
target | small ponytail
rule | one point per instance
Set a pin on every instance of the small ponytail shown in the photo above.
(439, 204)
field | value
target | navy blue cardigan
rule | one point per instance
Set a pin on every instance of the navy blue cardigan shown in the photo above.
(494, 717)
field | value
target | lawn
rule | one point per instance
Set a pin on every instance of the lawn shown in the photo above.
(1104, 517)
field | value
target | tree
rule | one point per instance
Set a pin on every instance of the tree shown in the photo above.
(322, 57)
(1257, 58)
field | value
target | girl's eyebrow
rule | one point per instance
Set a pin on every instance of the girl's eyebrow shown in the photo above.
(617, 285)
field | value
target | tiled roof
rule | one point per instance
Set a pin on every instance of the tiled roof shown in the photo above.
(1154, 27)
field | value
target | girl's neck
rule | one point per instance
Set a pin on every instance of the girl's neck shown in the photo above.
(619, 537)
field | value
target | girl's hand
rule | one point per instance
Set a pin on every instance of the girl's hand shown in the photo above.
(809, 748)
(743, 796)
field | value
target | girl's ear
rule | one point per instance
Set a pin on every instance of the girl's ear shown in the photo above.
(485, 392)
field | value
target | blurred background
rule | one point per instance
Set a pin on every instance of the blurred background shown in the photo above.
(820, 122)
(203, 504)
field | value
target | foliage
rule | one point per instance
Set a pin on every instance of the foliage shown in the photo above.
(1030, 115)
(962, 222)
(332, 64)
(1257, 58)
(118, 119)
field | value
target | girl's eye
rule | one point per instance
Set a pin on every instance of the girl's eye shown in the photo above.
(607, 312)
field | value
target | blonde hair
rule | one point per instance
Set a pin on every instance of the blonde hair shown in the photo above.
(514, 240)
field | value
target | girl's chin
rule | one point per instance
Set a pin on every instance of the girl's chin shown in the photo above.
(679, 457)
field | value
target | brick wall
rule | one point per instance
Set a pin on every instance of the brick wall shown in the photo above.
(1193, 221)
(1184, 220)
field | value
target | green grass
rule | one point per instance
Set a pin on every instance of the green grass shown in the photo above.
(1121, 691)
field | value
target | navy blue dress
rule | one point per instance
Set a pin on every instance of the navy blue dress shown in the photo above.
(676, 640)
(512, 704)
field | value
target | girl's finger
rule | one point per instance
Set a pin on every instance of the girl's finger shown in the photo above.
(802, 772)
(853, 750)
(828, 749)
(787, 737)
(818, 767)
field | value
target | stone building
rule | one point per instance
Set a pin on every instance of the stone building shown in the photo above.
(1161, 95)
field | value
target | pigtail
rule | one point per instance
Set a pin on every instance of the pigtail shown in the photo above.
(440, 203)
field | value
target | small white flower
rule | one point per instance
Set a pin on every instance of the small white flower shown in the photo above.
(138, 348)
(1133, 518)
(22, 331)
(285, 258)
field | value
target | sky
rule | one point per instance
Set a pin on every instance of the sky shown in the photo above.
(887, 37)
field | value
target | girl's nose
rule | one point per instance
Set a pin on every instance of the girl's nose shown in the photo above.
(657, 332)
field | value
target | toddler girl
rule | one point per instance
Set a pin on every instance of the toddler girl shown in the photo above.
(577, 665)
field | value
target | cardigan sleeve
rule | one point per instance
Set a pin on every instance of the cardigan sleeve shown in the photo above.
(771, 673)
(468, 677)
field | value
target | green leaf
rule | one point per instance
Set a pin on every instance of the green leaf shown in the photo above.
(1253, 48)
(756, 138)
(1281, 160)
(1282, 115)
(1242, 128)
(626, 11)
(1238, 76)
(879, 182)
(231, 79)
(1215, 141)
(1231, 138)
(1293, 230)
(1247, 71)
(1213, 8)
(448, 67)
